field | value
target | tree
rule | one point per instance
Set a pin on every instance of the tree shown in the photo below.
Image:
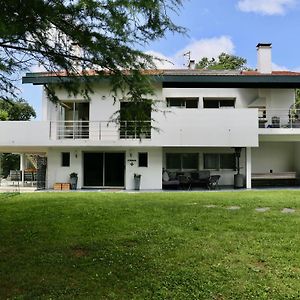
(16, 110)
(223, 62)
(78, 35)
(3, 115)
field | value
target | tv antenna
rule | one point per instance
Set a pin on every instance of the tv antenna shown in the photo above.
(188, 55)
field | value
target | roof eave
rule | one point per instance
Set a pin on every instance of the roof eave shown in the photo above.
(282, 80)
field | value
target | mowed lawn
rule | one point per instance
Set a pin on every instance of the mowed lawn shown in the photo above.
(150, 245)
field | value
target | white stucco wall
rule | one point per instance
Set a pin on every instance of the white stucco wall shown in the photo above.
(281, 98)
(102, 105)
(57, 173)
(243, 96)
(151, 175)
(276, 156)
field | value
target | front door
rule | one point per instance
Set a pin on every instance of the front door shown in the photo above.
(103, 169)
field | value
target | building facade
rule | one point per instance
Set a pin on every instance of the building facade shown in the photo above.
(202, 117)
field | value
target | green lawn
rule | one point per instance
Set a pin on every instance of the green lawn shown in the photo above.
(149, 246)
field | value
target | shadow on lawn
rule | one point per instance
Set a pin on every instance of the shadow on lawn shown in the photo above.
(8, 195)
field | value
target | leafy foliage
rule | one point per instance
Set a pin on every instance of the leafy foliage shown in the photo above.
(9, 162)
(223, 62)
(137, 93)
(17, 110)
(3, 115)
(78, 35)
(297, 100)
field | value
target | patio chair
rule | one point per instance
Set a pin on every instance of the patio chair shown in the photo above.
(185, 182)
(213, 182)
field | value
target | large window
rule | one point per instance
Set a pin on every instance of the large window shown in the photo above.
(130, 125)
(183, 102)
(182, 161)
(218, 102)
(219, 161)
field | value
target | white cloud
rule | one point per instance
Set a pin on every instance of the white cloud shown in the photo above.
(266, 7)
(211, 47)
(163, 62)
(276, 67)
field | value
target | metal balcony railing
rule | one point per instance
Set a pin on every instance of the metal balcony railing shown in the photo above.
(100, 130)
(279, 118)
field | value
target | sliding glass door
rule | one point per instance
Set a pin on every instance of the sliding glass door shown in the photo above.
(75, 119)
(103, 169)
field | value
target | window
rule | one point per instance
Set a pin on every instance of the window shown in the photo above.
(183, 102)
(218, 102)
(227, 161)
(211, 161)
(217, 161)
(143, 159)
(182, 161)
(65, 159)
(132, 127)
(76, 120)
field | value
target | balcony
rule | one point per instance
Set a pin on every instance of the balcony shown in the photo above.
(279, 118)
(279, 125)
(179, 128)
(100, 130)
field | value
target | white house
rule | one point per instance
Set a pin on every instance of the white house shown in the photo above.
(207, 115)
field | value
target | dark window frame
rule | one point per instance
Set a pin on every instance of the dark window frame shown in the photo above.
(220, 162)
(182, 101)
(220, 102)
(143, 159)
(65, 159)
(181, 160)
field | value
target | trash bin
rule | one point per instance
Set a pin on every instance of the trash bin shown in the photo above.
(137, 181)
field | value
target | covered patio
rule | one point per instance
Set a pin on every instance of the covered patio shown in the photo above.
(27, 170)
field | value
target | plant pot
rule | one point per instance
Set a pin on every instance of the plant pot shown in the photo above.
(137, 182)
(73, 182)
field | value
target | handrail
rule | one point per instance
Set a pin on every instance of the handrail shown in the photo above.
(100, 130)
(279, 118)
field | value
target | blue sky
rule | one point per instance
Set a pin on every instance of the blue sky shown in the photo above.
(232, 26)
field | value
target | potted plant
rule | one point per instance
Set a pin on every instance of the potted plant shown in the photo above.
(73, 180)
(137, 181)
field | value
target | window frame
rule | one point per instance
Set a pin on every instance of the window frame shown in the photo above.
(220, 163)
(184, 100)
(145, 165)
(181, 161)
(67, 165)
(219, 100)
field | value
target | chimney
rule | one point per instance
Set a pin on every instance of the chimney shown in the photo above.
(264, 58)
(192, 65)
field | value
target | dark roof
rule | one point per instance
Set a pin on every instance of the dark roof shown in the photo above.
(192, 78)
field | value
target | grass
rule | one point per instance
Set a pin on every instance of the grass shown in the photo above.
(149, 246)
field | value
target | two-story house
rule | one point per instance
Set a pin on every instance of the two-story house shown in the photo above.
(203, 116)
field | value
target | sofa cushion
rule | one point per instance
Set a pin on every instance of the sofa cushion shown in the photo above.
(165, 176)
(194, 175)
(172, 175)
(204, 174)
